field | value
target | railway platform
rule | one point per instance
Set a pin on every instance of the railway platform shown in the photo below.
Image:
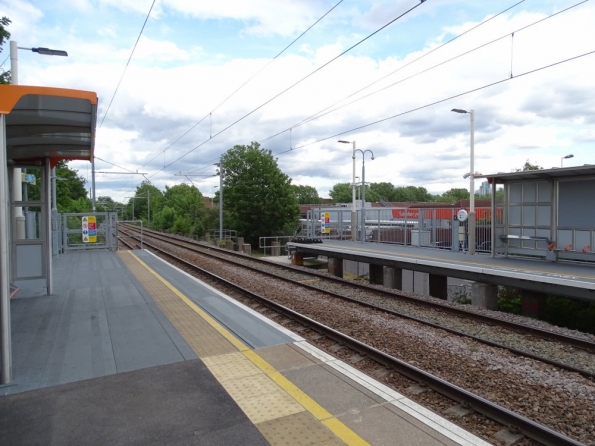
(131, 350)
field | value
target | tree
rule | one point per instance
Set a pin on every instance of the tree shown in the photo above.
(384, 191)
(528, 166)
(306, 194)
(258, 197)
(182, 210)
(341, 193)
(5, 77)
(70, 187)
(412, 194)
(453, 195)
(146, 196)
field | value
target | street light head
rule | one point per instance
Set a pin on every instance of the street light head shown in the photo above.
(344, 142)
(467, 175)
(459, 110)
(568, 156)
(49, 52)
(372, 157)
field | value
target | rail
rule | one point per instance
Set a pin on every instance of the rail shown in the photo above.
(493, 411)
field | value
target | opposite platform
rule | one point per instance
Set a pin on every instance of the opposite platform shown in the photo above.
(253, 376)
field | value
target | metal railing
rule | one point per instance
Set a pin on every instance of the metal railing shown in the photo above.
(276, 245)
(424, 227)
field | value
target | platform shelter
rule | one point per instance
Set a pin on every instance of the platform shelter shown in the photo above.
(39, 126)
(547, 213)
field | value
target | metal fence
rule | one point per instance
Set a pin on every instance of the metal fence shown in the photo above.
(424, 227)
(89, 231)
(276, 246)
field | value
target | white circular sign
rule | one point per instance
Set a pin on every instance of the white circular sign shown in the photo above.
(462, 215)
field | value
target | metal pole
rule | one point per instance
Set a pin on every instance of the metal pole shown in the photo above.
(148, 207)
(472, 187)
(363, 198)
(5, 344)
(93, 181)
(353, 210)
(221, 199)
(17, 182)
(48, 230)
(14, 63)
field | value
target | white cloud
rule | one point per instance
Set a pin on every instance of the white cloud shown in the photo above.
(172, 83)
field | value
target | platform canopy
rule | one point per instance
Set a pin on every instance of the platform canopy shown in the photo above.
(42, 122)
(540, 174)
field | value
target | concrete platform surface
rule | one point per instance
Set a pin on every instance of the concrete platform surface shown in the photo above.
(142, 353)
(181, 404)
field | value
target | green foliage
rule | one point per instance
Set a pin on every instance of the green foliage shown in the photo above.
(257, 195)
(561, 311)
(528, 166)
(70, 188)
(5, 77)
(180, 209)
(341, 193)
(306, 194)
(454, 195)
(412, 194)
(147, 200)
(571, 313)
(384, 191)
(509, 300)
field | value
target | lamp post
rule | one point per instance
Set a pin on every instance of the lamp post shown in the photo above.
(16, 178)
(359, 194)
(471, 249)
(353, 211)
(565, 158)
(363, 223)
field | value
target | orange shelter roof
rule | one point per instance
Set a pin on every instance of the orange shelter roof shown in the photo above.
(43, 122)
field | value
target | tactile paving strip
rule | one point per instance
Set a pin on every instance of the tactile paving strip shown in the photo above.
(297, 430)
(283, 414)
(198, 333)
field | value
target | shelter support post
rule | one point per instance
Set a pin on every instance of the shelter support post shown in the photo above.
(48, 227)
(5, 341)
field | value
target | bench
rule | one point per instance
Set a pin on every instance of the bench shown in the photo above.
(506, 237)
(553, 250)
(551, 245)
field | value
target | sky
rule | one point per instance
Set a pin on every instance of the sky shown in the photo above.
(208, 75)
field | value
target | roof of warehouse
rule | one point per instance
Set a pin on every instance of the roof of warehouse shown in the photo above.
(43, 122)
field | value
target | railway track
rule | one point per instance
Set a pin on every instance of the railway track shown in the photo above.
(539, 343)
(493, 411)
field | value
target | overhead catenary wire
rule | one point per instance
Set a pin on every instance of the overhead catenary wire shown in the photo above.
(492, 84)
(127, 63)
(210, 114)
(296, 83)
(319, 113)
(326, 111)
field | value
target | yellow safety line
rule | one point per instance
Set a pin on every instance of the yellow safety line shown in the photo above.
(319, 412)
(216, 325)
(469, 262)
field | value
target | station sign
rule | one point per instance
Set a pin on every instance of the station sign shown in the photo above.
(325, 223)
(90, 229)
